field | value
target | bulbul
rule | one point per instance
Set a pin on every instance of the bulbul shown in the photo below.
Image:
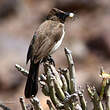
(45, 41)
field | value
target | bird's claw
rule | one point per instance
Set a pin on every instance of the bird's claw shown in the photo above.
(49, 59)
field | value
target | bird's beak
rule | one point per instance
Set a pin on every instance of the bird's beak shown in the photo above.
(71, 15)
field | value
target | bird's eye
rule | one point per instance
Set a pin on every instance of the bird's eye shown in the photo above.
(61, 16)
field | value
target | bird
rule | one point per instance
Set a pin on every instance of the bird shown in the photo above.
(46, 40)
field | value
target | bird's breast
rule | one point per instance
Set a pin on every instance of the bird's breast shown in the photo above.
(58, 43)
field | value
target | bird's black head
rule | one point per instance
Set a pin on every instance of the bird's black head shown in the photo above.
(58, 15)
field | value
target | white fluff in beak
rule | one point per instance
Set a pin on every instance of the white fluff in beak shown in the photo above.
(71, 15)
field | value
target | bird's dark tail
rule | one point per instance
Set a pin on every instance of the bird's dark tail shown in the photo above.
(31, 87)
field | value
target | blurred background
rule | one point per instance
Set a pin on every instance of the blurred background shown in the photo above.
(88, 37)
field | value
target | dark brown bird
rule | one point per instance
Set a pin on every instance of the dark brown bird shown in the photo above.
(46, 40)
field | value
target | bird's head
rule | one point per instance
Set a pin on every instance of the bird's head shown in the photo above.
(58, 15)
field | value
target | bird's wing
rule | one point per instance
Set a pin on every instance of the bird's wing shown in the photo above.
(30, 49)
(46, 44)
(43, 50)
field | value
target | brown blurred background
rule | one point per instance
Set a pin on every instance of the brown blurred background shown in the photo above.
(88, 37)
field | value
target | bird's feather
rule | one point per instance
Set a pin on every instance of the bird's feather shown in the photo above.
(31, 87)
(30, 49)
(46, 39)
